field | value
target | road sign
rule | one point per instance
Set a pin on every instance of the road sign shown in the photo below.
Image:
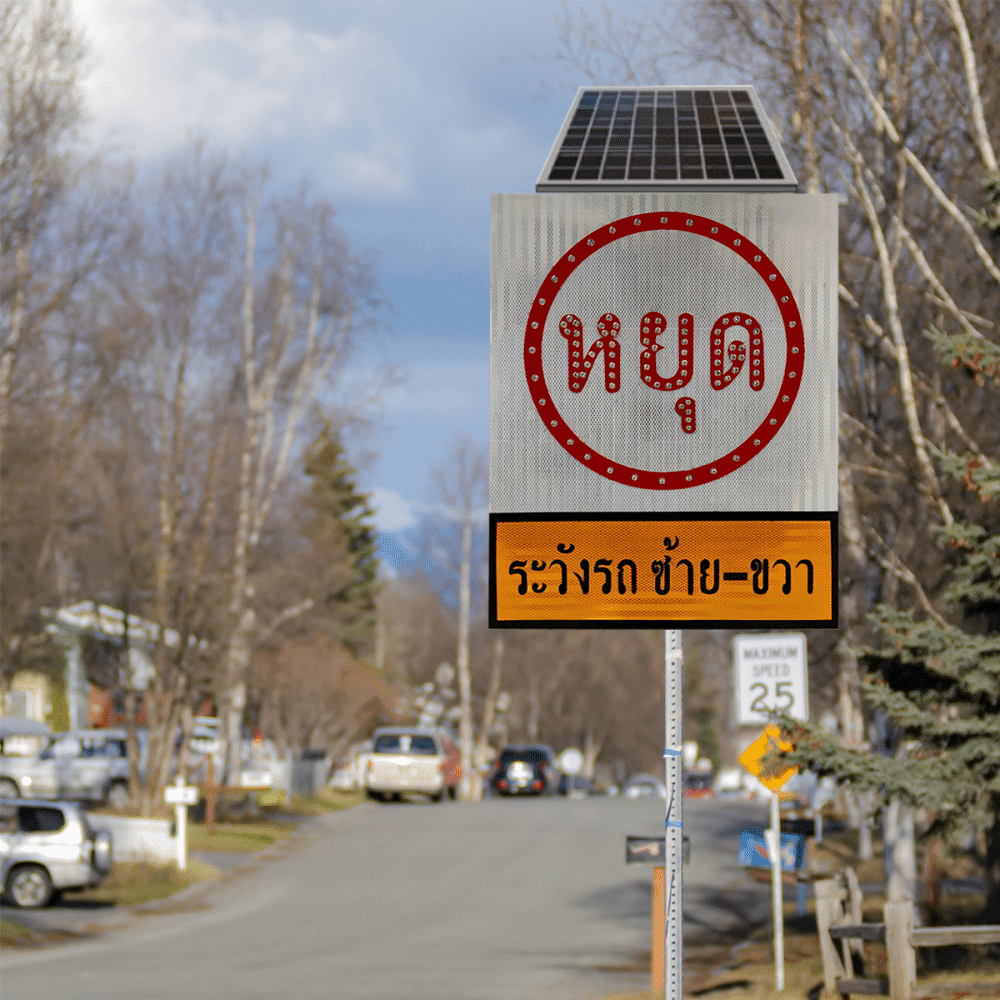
(643, 570)
(771, 675)
(645, 850)
(751, 757)
(651, 850)
(662, 356)
(571, 761)
(665, 354)
(753, 851)
(183, 795)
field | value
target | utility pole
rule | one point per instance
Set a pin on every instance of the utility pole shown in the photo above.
(462, 658)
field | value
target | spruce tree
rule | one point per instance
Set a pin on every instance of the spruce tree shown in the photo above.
(938, 684)
(343, 517)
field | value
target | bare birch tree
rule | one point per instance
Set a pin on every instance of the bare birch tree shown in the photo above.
(60, 217)
(460, 499)
(303, 300)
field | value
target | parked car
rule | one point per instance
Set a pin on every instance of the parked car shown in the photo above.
(411, 761)
(729, 783)
(698, 785)
(86, 765)
(525, 769)
(643, 786)
(46, 849)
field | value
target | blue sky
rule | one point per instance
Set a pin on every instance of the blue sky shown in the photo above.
(407, 116)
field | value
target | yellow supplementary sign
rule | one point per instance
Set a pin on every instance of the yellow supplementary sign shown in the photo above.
(751, 757)
(718, 570)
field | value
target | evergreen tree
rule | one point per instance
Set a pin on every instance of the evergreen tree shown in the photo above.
(938, 684)
(343, 524)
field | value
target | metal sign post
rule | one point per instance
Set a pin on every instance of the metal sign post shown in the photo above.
(773, 837)
(673, 739)
(751, 760)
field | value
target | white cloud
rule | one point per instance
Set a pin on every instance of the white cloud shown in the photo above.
(384, 106)
(392, 511)
(440, 390)
(163, 70)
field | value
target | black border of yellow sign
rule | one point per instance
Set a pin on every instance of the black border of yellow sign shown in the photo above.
(694, 571)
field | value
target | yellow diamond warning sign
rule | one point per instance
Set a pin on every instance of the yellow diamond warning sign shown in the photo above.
(718, 570)
(751, 757)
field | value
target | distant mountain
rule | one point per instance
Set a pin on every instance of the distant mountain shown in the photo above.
(400, 553)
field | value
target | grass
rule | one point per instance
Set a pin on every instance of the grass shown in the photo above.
(13, 934)
(275, 819)
(236, 838)
(746, 972)
(328, 800)
(721, 972)
(132, 883)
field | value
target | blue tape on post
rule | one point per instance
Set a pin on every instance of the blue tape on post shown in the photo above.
(671, 752)
(674, 825)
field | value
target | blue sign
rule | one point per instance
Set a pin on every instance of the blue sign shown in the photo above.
(753, 851)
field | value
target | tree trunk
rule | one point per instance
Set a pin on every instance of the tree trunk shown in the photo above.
(464, 678)
(591, 751)
(932, 880)
(899, 849)
(991, 866)
(187, 731)
(10, 347)
(132, 741)
(865, 849)
(154, 697)
(534, 708)
(489, 714)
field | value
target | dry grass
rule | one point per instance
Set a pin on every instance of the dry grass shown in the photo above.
(132, 883)
(13, 934)
(722, 972)
(236, 838)
(328, 800)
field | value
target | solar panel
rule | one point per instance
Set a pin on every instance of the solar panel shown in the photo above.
(666, 138)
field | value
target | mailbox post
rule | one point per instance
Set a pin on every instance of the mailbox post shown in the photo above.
(181, 795)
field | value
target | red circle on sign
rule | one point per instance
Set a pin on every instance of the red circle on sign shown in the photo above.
(684, 478)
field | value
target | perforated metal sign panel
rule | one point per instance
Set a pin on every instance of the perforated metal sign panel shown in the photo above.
(664, 352)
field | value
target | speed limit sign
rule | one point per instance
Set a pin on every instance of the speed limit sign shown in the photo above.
(770, 676)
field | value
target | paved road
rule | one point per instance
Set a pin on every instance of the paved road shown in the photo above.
(502, 899)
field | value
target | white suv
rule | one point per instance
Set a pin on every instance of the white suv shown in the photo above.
(405, 761)
(46, 848)
(84, 764)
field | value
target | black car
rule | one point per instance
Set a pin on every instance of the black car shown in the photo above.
(525, 769)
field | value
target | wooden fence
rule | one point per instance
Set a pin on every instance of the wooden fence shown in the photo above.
(844, 924)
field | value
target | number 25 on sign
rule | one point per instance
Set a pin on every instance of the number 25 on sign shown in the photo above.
(771, 676)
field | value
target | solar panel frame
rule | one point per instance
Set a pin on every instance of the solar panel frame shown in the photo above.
(666, 139)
